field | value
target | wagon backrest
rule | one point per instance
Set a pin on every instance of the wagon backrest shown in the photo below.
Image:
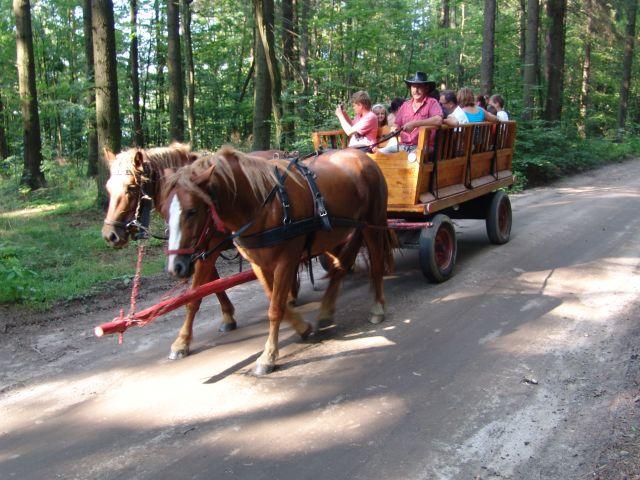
(330, 139)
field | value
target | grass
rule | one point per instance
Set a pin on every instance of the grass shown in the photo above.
(51, 248)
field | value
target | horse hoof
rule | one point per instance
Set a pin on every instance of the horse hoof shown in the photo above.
(376, 319)
(263, 369)
(178, 354)
(324, 322)
(227, 327)
(304, 335)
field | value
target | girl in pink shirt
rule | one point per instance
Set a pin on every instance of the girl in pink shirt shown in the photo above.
(363, 129)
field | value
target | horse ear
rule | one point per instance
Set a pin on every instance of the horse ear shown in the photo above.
(138, 160)
(109, 156)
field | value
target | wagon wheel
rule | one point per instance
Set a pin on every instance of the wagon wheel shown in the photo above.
(438, 249)
(499, 218)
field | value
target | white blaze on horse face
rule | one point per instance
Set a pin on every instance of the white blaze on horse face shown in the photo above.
(175, 235)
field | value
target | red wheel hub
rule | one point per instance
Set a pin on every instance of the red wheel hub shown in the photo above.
(503, 218)
(443, 248)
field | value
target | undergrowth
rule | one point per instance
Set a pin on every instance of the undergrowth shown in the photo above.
(51, 248)
(547, 152)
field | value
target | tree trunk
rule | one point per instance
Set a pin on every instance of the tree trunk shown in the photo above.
(556, 11)
(461, 59)
(191, 78)
(138, 137)
(586, 68)
(288, 34)
(488, 37)
(264, 18)
(445, 24)
(531, 59)
(106, 80)
(261, 99)
(631, 8)
(523, 32)
(31, 174)
(4, 145)
(174, 63)
(445, 14)
(161, 61)
(304, 57)
(90, 100)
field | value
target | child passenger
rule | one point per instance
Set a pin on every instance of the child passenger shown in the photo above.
(363, 129)
(497, 102)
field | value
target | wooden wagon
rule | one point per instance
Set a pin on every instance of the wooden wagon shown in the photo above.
(459, 178)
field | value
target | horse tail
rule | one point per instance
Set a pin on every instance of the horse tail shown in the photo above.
(390, 243)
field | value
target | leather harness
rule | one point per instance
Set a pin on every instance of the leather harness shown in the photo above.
(321, 221)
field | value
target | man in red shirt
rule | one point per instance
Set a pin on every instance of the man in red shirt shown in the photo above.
(419, 111)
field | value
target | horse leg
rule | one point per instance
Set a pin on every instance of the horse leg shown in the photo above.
(280, 289)
(228, 323)
(346, 258)
(202, 274)
(375, 242)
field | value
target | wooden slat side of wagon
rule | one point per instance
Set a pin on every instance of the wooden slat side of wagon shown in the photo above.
(460, 177)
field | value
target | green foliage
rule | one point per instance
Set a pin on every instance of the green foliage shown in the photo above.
(51, 245)
(545, 153)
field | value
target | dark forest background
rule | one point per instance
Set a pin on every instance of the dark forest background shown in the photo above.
(267, 73)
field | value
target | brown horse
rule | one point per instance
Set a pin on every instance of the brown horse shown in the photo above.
(135, 173)
(238, 187)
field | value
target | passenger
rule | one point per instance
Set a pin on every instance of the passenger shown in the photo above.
(363, 129)
(383, 128)
(395, 105)
(481, 101)
(498, 103)
(381, 114)
(472, 112)
(420, 110)
(448, 102)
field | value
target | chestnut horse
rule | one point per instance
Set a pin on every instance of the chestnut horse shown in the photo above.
(136, 173)
(239, 189)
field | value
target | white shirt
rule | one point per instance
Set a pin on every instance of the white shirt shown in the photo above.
(502, 116)
(460, 116)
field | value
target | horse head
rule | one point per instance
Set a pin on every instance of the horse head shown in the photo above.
(187, 208)
(125, 192)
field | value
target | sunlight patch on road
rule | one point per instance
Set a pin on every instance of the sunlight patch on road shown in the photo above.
(337, 422)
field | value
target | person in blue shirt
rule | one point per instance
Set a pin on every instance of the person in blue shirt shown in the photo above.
(467, 110)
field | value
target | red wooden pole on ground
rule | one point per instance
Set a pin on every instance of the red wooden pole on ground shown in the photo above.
(120, 324)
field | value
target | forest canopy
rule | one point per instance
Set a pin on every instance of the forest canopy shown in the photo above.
(267, 73)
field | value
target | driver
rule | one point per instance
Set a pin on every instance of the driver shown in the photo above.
(420, 110)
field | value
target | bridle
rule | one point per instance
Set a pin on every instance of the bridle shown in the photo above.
(213, 225)
(138, 228)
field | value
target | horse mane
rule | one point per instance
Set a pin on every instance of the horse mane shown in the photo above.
(174, 156)
(259, 172)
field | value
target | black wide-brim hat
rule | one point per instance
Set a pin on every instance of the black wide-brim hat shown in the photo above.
(420, 78)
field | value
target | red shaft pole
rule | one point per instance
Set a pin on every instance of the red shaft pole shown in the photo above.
(149, 314)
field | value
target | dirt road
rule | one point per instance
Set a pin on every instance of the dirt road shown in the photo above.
(523, 366)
